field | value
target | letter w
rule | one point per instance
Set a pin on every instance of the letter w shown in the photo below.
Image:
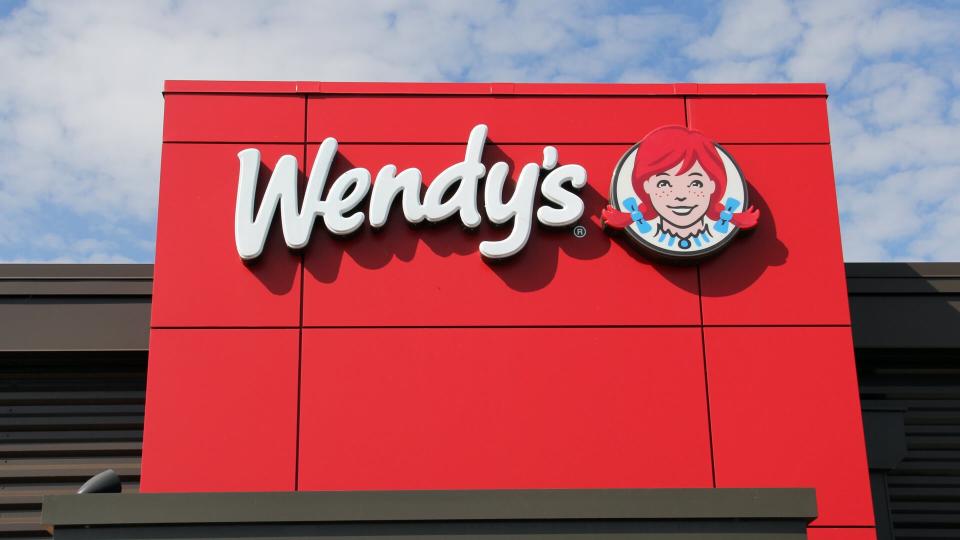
(250, 228)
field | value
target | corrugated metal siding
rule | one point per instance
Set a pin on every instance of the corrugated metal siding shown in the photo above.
(924, 488)
(63, 418)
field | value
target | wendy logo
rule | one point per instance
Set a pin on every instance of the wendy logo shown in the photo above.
(678, 195)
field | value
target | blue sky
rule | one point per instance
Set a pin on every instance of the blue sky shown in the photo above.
(80, 104)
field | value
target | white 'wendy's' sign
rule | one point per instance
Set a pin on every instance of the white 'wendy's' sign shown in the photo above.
(338, 212)
(676, 194)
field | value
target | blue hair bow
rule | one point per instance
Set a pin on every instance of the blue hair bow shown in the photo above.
(726, 215)
(636, 215)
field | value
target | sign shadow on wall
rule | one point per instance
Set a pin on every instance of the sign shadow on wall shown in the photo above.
(277, 278)
(750, 254)
(533, 268)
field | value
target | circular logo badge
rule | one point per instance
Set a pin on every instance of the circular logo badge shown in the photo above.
(679, 195)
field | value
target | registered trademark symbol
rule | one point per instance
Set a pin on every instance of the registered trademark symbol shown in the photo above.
(579, 231)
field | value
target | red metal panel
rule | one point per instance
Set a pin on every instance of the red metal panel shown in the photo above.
(234, 87)
(790, 269)
(434, 275)
(426, 89)
(760, 120)
(413, 88)
(503, 408)
(200, 279)
(785, 413)
(818, 533)
(762, 89)
(233, 118)
(221, 411)
(448, 119)
(541, 89)
(588, 89)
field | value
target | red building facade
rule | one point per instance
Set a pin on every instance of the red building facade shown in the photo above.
(399, 358)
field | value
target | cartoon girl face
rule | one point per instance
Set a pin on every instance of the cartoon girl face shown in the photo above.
(681, 199)
(675, 198)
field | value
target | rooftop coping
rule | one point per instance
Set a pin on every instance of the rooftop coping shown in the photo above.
(492, 88)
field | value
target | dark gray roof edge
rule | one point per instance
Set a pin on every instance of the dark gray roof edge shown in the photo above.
(76, 280)
(75, 271)
(472, 505)
(902, 269)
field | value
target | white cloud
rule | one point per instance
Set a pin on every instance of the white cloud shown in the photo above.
(827, 49)
(909, 145)
(749, 29)
(917, 209)
(891, 94)
(758, 69)
(905, 29)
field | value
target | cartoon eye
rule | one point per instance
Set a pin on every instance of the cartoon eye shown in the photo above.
(696, 184)
(664, 183)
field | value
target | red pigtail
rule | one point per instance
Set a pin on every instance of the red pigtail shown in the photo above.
(613, 218)
(745, 220)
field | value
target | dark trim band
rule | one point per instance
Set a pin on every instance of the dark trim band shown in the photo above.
(336, 506)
